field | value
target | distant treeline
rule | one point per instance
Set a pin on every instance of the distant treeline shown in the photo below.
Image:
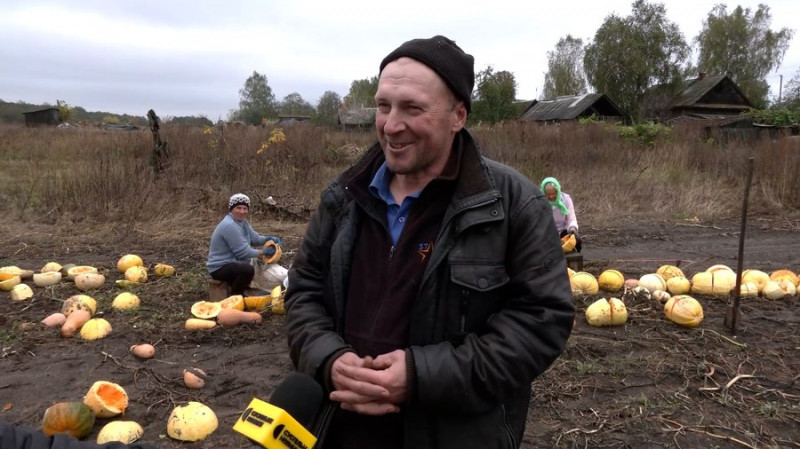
(12, 113)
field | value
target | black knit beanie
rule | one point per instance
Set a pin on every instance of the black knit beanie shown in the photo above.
(446, 58)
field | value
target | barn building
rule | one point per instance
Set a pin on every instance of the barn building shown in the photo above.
(42, 117)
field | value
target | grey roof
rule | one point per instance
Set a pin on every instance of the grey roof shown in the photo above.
(41, 110)
(359, 116)
(571, 107)
(694, 91)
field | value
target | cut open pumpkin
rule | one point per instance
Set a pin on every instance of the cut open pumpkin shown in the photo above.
(233, 302)
(106, 399)
(206, 310)
(275, 257)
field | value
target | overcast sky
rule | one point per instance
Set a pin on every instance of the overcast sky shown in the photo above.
(185, 58)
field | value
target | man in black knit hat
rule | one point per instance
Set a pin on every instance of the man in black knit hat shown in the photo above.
(430, 288)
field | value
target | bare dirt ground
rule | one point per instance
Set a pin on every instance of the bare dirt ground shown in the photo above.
(649, 383)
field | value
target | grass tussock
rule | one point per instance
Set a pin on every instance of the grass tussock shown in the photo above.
(71, 175)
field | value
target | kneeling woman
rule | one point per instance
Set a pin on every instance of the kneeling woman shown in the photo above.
(232, 247)
(563, 210)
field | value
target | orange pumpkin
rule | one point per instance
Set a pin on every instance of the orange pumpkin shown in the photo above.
(568, 243)
(73, 418)
(777, 275)
(256, 303)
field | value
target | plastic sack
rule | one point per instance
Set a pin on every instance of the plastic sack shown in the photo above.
(267, 275)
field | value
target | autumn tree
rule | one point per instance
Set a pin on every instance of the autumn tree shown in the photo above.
(565, 69)
(362, 93)
(327, 112)
(294, 105)
(742, 45)
(631, 54)
(256, 101)
(64, 111)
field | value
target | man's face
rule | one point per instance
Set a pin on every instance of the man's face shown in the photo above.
(550, 192)
(417, 118)
(240, 212)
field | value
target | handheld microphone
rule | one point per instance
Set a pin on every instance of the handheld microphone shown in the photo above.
(283, 422)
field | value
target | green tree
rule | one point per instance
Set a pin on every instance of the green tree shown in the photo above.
(631, 54)
(362, 93)
(565, 69)
(256, 101)
(493, 100)
(742, 45)
(294, 105)
(327, 112)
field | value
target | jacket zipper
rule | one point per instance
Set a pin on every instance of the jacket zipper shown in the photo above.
(464, 306)
(509, 432)
(322, 422)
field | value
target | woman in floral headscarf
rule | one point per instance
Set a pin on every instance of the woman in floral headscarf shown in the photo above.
(563, 209)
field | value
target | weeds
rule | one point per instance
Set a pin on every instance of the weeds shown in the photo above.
(75, 175)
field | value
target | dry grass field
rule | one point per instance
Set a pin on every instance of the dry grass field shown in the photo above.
(88, 196)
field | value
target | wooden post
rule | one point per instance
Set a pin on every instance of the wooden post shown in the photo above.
(733, 316)
(160, 157)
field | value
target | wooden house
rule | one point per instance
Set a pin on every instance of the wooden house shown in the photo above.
(707, 98)
(573, 107)
(357, 118)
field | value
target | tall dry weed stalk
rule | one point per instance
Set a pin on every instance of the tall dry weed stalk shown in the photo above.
(70, 175)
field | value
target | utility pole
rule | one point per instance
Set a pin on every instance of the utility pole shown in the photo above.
(780, 89)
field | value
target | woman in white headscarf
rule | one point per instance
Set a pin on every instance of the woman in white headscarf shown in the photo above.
(234, 243)
(563, 210)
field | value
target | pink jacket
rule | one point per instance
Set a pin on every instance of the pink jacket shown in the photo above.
(564, 222)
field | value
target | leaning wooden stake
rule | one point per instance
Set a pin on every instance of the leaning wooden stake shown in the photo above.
(732, 316)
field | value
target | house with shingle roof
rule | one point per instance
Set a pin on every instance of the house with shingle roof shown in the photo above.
(573, 107)
(708, 98)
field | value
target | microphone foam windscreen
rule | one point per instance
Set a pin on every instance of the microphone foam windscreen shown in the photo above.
(299, 395)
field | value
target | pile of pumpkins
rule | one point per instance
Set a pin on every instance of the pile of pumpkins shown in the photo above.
(191, 422)
(234, 310)
(670, 286)
(76, 316)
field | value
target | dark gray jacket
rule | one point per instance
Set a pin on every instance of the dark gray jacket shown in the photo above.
(494, 308)
(18, 437)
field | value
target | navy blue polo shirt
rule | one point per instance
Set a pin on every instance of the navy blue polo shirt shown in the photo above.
(396, 214)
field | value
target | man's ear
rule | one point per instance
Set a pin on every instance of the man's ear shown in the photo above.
(460, 116)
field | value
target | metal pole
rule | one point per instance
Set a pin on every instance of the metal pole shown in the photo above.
(733, 316)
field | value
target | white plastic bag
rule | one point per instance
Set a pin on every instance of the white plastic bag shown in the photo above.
(267, 275)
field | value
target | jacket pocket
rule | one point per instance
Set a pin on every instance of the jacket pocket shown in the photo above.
(482, 276)
(477, 294)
